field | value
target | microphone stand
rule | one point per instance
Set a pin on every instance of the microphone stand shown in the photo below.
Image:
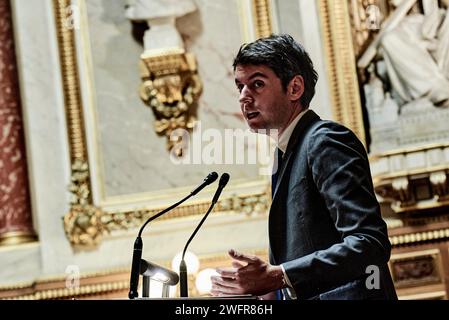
(138, 244)
(182, 266)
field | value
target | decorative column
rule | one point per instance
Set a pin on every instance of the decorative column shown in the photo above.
(15, 210)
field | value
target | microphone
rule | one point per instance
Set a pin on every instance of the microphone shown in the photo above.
(138, 244)
(211, 177)
(182, 266)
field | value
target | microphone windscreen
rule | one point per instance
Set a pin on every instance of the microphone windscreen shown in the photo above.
(211, 177)
(224, 179)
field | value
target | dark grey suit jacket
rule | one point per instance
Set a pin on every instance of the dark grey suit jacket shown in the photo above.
(325, 225)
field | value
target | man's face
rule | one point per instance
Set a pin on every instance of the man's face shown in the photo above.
(263, 101)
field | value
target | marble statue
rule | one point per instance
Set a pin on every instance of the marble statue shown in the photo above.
(161, 17)
(374, 91)
(415, 48)
(411, 86)
(408, 53)
(382, 108)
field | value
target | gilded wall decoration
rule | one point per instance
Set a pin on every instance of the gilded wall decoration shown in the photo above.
(86, 225)
(263, 18)
(171, 87)
(79, 223)
(171, 83)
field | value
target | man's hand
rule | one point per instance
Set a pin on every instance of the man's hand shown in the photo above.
(254, 276)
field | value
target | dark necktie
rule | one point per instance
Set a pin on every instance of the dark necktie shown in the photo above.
(278, 154)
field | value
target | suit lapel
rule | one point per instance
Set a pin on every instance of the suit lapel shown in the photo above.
(308, 118)
(278, 208)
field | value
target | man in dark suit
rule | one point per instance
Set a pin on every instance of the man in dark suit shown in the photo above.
(327, 236)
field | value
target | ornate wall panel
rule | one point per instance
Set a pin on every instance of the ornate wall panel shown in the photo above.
(407, 138)
(110, 187)
(74, 100)
(113, 193)
(415, 269)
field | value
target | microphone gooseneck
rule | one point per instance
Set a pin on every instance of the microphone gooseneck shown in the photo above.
(224, 179)
(211, 177)
(138, 244)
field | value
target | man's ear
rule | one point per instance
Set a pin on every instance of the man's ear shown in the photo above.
(295, 88)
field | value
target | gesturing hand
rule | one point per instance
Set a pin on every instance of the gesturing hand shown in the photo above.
(254, 276)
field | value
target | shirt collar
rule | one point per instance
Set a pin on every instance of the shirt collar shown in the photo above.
(285, 136)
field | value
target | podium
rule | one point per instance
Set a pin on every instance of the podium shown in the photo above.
(151, 271)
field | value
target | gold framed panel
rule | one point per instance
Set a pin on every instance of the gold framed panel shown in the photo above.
(257, 19)
(341, 66)
(417, 268)
(434, 295)
(93, 214)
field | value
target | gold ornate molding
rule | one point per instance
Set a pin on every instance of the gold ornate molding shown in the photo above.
(81, 202)
(341, 65)
(256, 18)
(419, 237)
(70, 82)
(171, 87)
(263, 21)
(433, 295)
(16, 237)
(86, 225)
(94, 285)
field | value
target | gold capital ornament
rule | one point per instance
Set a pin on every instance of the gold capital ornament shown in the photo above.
(171, 87)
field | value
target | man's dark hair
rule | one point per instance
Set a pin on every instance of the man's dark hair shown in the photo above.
(286, 57)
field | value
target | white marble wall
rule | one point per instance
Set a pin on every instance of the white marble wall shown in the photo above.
(20, 264)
